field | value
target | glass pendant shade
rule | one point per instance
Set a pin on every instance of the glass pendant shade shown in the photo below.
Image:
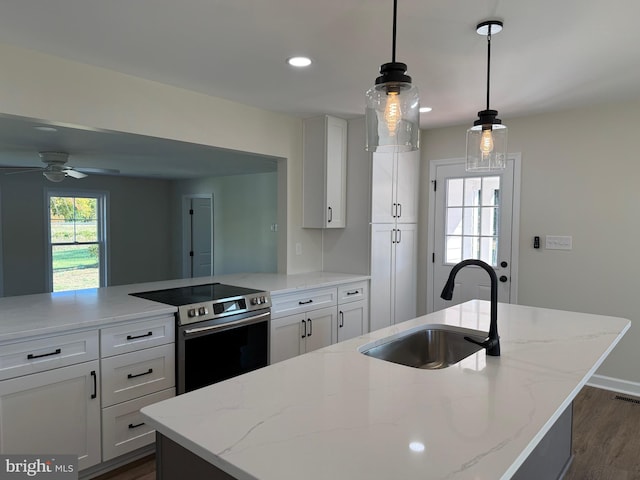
(393, 117)
(486, 146)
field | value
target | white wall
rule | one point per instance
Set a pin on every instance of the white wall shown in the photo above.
(244, 208)
(580, 177)
(138, 229)
(44, 87)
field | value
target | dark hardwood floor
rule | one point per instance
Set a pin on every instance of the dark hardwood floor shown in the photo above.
(606, 440)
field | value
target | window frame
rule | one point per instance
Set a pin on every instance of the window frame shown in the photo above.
(102, 211)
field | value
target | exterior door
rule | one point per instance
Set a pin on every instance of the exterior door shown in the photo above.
(472, 218)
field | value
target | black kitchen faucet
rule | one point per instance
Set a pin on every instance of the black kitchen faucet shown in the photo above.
(491, 343)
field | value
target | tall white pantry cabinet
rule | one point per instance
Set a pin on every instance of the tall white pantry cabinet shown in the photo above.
(394, 237)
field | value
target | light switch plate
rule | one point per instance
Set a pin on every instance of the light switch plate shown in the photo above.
(557, 242)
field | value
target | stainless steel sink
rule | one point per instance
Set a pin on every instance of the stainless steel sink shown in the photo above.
(430, 348)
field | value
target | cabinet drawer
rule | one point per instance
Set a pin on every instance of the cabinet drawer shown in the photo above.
(43, 354)
(352, 292)
(124, 428)
(134, 374)
(133, 336)
(302, 301)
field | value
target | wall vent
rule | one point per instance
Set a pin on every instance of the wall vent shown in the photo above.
(627, 399)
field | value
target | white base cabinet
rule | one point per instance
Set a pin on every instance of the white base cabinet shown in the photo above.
(351, 320)
(301, 333)
(53, 412)
(394, 273)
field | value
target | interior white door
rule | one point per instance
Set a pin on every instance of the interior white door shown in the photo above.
(201, 237)
(472, 219)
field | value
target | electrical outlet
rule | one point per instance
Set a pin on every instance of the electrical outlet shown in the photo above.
(557, 242)
(298, 249)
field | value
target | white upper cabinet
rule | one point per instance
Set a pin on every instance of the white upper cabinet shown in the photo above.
(395, 181)
(325, 172)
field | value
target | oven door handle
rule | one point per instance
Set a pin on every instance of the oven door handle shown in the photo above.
(226, 325)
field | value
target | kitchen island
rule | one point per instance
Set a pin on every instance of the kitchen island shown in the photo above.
(336, 413)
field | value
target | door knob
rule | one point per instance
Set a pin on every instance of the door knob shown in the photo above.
(504, 264)
(503, 278)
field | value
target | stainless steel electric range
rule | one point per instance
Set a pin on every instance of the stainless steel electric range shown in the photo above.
(221, 331)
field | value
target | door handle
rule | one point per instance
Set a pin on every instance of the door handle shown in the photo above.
(394, 208)
(399, 214)
(504, 264)
(341, 324)
(95, 384)
(330, 215)
(503, 278)
(393, 235)
(310, 327)
(398, 236)
(304, 329)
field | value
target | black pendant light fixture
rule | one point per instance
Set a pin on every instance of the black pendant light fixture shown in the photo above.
(392, 114)
(487, 139)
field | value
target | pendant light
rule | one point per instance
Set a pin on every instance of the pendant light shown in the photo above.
(392, 114)
(487, 139)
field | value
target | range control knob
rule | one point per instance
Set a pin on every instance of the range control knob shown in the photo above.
(202, 311)
(192, 313)
(263, 300)
(255, 301)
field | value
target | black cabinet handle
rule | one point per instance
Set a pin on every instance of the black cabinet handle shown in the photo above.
(95, 384)
(305, 302)
(330, 215)
(394, 207)
(131, 375)
(399, 215)
(393, 235)
(304, 329)
(31, 356)
(398, 236)
(131, 425)
(341, 324)
(134, 337)
(310, 327)
(354, 292)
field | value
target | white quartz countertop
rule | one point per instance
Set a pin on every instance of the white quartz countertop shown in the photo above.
(336, 413)
(50, 313)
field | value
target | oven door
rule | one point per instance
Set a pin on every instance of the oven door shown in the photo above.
(215, 350)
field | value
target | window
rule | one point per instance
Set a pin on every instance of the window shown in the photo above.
(77, 240)
(472, 219)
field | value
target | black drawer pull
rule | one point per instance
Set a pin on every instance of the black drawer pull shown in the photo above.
(31, 356)
(134, 337)
(131, 375)
(354, 292)
(94, 376)
(305, 302)
(132, 426)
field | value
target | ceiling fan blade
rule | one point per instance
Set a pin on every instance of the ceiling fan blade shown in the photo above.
(104, 171)
(74, 173)
(18, 170)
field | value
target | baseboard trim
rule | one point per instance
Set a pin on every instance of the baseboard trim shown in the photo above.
(615, 384)
(117, 462)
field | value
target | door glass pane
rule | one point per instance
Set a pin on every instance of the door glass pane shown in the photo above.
(472, 190)
(471, 221)
(489, 221)
(470, 247)
(454, 221)
(488, 251)
(454, 192)
(491, 191)
(453, 249)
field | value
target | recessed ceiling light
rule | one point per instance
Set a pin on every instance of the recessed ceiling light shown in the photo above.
(43, 128)
(425, 109)
(299, 61)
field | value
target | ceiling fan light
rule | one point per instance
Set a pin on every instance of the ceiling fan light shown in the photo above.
(54, 176)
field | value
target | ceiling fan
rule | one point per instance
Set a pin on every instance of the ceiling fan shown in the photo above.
(56, 168)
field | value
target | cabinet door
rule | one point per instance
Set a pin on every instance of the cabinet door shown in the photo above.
(382, 269)
(287, 337)
(53, 412)
(406, 272)
(352, 319)
(406, 187)
(320, 328)
(382, 189)
(336, 172)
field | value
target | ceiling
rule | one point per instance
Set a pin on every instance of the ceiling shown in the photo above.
(551, 54)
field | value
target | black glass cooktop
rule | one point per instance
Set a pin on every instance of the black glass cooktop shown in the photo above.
(195, 294)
